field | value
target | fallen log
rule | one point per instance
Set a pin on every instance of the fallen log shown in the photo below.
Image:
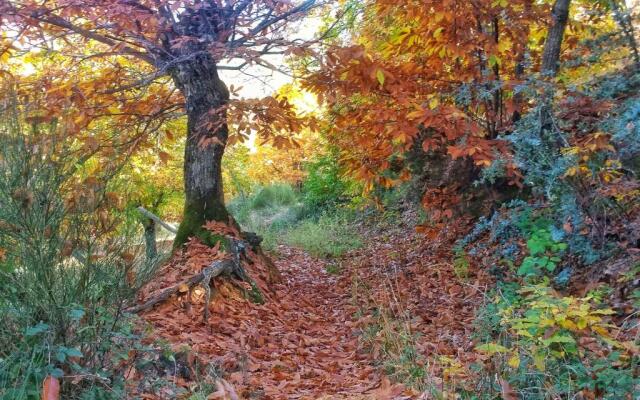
(157, 219)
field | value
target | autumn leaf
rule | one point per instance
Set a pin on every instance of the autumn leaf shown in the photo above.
(388, 391)
(380, 77)
(50, 388)
(164, 157)
(514, 361)
(507, 391)
(224, 391)
(491, 348)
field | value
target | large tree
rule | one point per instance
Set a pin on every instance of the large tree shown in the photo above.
(185, 40)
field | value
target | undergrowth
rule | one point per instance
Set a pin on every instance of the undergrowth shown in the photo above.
(282, 215)
(67, 271)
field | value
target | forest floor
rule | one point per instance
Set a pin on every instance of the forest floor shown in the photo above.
(330, 328)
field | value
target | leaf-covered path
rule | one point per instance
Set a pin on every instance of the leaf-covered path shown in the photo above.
(306, 344)
(306, 341)
(300, 344)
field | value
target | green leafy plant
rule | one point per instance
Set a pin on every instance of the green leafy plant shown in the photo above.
(461, 265)
(541, 337)
(66, 271)
(543, 250)
(325, 186)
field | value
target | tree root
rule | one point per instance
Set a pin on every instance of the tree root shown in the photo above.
(215, 269)
(229, 266)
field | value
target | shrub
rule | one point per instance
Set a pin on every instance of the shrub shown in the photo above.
(272, 196)
(65, 271)
(325, 186)
(545, 344)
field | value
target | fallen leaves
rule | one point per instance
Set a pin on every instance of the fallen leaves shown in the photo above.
(224, 391)
(305, 342)
(296, 345)
(507, 391)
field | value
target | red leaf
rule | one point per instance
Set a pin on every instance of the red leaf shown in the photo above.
(50, 388)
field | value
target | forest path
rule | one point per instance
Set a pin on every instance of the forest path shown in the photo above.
(308, 340)
(303, 343)
(310, 345)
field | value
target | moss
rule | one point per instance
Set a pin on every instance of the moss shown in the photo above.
(196, 214)
(255, 294)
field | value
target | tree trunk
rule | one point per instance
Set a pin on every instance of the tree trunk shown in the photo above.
(205, 99)
(551, 62)
(553, 44)
(151, 249)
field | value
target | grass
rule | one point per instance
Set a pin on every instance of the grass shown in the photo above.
(333, 268)
(388, 336)
(329, 236)
(276, 213)
(277, 195)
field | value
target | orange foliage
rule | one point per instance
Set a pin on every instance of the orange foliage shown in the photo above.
(442, 71)
(116, 60)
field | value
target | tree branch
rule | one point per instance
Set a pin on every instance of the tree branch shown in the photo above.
(62, 23)
(267, 22)
(157, 219)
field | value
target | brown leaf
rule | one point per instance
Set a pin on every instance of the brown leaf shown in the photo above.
(164, 156)
(507, 391)
(224, 391)
(387, 391)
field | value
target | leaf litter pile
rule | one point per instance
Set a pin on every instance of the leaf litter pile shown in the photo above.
(308, 334)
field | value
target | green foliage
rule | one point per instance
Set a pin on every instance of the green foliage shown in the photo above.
(461, 264)
(333, 268)
(66, 270)
(234, 164)
(272, 196)
(325, 186)
(581, 168)
(542, 254)
(277, 213)
(268, 212)
(329, 236)
(532, 336)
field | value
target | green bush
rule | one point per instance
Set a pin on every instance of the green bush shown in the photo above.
(325, 186)
(272, 196)
(530, 336)
(65, 273)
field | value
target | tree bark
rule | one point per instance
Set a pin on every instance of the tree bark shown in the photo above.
(151, 250)
(551, 62)
(206, 96)
(553, 44)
